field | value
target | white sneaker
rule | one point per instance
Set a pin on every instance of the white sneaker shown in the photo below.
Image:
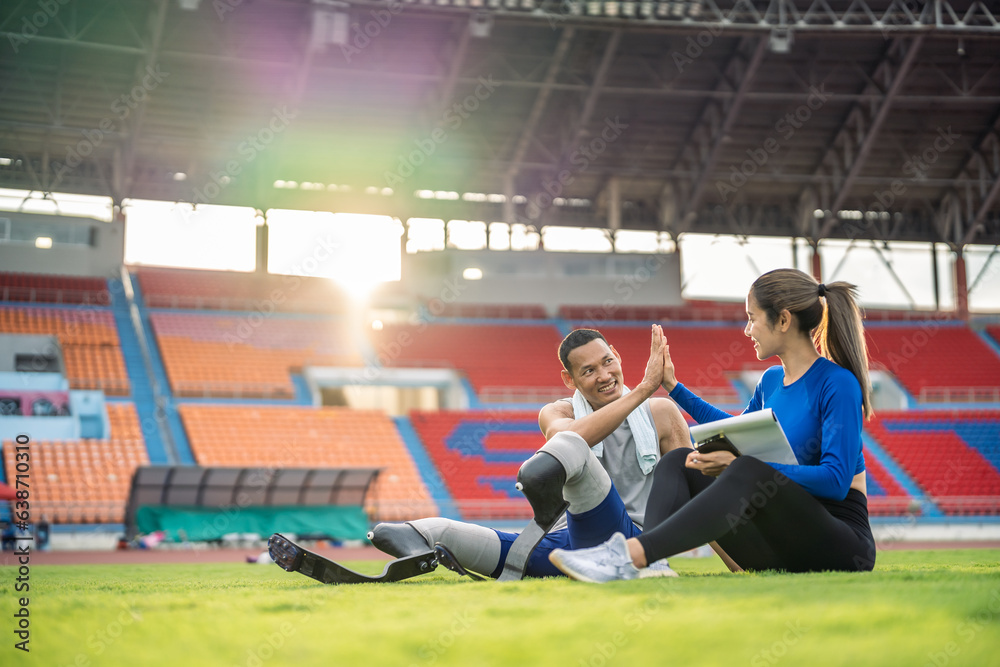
(660, 568)
(597, 565)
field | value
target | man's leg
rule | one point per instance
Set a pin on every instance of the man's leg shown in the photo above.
(564, 476)
(538, 564)
(596, 511)
(564, 470)
(586, 483)
(475, 547)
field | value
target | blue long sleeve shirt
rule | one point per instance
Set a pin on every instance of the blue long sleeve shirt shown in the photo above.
(820, 414)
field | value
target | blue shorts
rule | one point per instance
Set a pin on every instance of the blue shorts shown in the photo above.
(584, 530)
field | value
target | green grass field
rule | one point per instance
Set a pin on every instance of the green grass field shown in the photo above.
(917, 608)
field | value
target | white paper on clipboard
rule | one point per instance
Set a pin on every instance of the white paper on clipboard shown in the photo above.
(756, 434)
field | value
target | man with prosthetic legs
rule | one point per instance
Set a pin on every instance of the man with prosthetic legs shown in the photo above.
(590, 480)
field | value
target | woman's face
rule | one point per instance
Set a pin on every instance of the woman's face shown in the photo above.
(765, 337)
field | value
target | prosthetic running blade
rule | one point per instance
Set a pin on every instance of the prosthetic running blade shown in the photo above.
(293, 558)
(446, 558)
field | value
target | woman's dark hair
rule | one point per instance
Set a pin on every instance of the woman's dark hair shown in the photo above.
(836, 328)
(574, 340)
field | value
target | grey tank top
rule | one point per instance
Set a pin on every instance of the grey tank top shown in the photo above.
(622, 466)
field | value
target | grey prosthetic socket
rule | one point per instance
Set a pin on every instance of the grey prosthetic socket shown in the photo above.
(585, 483)
(399, 540)
(540, 479)
(475, 547)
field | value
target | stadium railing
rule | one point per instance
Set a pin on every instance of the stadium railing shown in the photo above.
(522, 394)
(959, 395)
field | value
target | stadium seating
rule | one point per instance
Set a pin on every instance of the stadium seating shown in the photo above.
(224, 290)
(43, 288)
(994, 333)
(84, 481)
(952, 455)
(692, 311)
(490, 311)
(223, 435)
(937, 361)
(885, 495)
(89, 342)
(250, 355)
(503, 362)
(705, 358)
(478, 454)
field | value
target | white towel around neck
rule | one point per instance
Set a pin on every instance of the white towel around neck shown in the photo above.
(647, 445)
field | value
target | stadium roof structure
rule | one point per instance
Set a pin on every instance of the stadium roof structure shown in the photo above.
(869, 119)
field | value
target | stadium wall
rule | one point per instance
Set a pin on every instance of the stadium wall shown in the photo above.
(551, 279)
(80, 246)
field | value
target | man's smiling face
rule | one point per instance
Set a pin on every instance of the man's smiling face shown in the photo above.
(596, 370)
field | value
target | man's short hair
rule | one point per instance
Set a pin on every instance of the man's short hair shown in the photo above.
(575, 339)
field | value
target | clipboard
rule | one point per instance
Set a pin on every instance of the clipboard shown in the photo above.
(756, 434)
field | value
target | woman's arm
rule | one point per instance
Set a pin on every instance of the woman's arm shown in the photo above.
(697, 407)
(840, 442)
(694, 405)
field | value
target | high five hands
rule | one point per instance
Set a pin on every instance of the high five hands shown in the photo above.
(711, 464)
(653, 376)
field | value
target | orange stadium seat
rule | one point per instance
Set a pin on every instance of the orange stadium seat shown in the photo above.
(88, 338)
(85, 481)
(229, 355)
(302, 437)
(225, 290)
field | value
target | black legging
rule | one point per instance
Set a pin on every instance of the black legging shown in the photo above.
(762, 519)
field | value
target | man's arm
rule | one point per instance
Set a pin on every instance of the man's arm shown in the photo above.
(671, 427)
(599, 424)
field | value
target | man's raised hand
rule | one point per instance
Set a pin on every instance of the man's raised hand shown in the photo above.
(653, 377)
